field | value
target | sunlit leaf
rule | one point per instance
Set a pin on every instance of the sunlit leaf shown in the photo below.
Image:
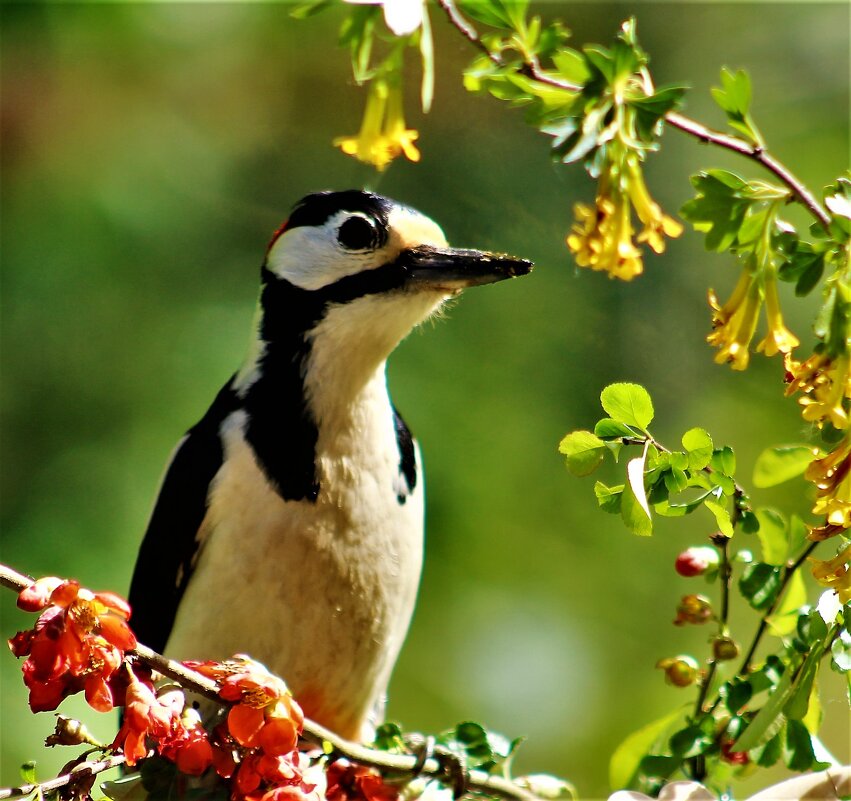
(773, 536)
(583, 452)
(781, 463)
(628, 755)
(634, 515)
(629, 404)
(699, 447)
(785, 620)
(769, 719)
(722, 516)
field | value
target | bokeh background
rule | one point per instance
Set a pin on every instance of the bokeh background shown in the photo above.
(149, 151)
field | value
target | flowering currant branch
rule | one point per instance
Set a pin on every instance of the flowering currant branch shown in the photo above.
(230, 688)
(532, 68)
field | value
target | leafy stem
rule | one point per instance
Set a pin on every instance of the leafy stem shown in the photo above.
(788, 572)
(753, 150)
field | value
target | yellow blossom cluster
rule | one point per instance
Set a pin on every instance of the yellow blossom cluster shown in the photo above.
(383, 135)
(734, 323)
(825, 387)
(832, 476)
(602, 235)
(835, 573)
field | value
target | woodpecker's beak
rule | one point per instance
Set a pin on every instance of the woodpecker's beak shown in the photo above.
(455, 269)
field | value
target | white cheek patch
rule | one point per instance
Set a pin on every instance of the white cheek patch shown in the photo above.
(311, 258)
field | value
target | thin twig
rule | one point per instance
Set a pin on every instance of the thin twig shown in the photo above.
(532, 69)
(76, 774)
(763, 623)
(754, 152)
(193, 681)
(466, 29)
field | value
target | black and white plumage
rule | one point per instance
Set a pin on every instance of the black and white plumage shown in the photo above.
(289, 524)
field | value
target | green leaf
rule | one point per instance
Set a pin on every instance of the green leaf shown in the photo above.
(781, 463)
(480, 748)
(609, 498)
(675, 480)
(737, 694)
(628, 755)
(767, 754)
(773, 536)
(608, 428)
(735, 95)
(629, 404)
(584, 452)
(390, 737)
(486, 11)
(724, 461)
(690, 742)
(658, 766)
(698, 445)
(785, 619)
(28, 772)
(769, 720)
(309, 8)
(796, 706)
(635, 475)
(798, 751)
(127, 788)
(634, 515)
(759, 584)
(722, 516)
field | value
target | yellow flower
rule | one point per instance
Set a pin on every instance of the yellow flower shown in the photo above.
(832, 476)
(835, 573)
(734, 323)
(657, 224)
(779, 339)
(602, 236)
(825, 387)
(383, 135)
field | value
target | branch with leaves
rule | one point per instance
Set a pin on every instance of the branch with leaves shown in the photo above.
(759, 713)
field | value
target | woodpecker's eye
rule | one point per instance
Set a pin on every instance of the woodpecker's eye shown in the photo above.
(358, 233)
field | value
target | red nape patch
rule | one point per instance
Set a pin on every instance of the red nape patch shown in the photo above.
(281, 230)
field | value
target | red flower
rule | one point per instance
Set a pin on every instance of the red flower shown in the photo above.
(77, 643)
(266, 715)
(348, 782)
(145, 716)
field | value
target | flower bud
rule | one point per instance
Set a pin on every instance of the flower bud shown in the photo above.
(693, 609)
(724, 649)
(681, 671)
(70, 732)
(696, 561)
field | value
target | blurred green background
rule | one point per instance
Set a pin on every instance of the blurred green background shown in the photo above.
(149, 151)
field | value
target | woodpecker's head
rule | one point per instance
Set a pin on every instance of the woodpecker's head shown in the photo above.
(353, 272)
(332, 237)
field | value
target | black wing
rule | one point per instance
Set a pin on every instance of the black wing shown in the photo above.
(164, 565)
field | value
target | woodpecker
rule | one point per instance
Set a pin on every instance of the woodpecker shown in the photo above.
(289, 523)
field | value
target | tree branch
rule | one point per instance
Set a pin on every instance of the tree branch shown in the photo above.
(193, 681)
(754, 152)
(532, 69)
(77, 773)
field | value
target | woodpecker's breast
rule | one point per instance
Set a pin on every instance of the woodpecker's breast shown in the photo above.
(320, 591)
